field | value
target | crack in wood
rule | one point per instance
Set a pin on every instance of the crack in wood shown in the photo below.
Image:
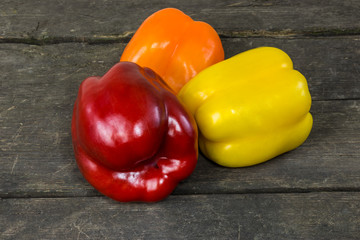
(14, 164)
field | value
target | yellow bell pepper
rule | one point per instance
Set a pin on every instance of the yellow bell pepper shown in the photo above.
(249, 108)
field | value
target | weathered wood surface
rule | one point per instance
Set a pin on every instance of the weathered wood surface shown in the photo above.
(111, 20)
(309, 193)
(331, 73)
(40, 85)
(329, 160)
(247, 216)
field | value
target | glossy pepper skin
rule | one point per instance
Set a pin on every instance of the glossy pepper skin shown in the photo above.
(249, 108)
(174, 46)
(133, 140)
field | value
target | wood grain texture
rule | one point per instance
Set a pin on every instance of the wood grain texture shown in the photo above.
(38, 161)
(255, 216)
(116, 20)
(40, 83)
(48, 47)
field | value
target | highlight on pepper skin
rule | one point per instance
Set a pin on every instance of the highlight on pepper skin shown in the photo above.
(249, 108)
(174, 46)
(133, 140)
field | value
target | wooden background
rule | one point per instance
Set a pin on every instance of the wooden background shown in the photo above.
(48, 47)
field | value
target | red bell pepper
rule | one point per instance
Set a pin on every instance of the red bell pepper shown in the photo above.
(133, 140)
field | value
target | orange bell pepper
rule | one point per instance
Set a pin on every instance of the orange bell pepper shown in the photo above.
(174, 46)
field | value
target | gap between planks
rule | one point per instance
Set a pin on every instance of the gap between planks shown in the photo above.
(250, 192)
(125, 38)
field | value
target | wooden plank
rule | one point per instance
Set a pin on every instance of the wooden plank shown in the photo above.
(329, 160)
(111, 20)
(39, 85)
(249, 216)
(337, 68)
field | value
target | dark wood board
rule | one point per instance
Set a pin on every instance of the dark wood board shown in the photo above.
(331, 73)
(38, 160)
(39, 86)
(111, 20)
(247, 216)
